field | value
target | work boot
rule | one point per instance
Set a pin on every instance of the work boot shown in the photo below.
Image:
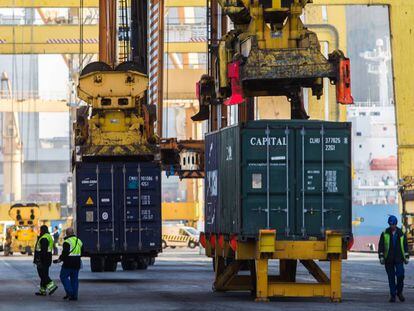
(392, 299)
(401, 297)
(41, 292)
(66, 297)
(51, 287)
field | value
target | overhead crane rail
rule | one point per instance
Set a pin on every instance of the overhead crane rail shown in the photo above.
(86, 3)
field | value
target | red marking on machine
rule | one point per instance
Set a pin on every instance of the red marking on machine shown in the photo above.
(155, 66)
(202, 239)
(198, 39)
(198, 90)
(71, 41)
(233, 73)
(343, 85)
(221, 240)
(213, 241)
(233, 242)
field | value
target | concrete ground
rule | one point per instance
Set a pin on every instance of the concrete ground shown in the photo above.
(181, 280)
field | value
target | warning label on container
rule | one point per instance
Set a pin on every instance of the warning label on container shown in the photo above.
(89, 216)
(89, 201)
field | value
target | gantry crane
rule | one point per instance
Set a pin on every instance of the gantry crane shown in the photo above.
(11, 146)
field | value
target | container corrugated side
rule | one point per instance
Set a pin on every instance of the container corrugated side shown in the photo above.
(118, 207)
(299, 151)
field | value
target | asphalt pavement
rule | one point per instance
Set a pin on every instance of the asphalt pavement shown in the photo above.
(182, 280)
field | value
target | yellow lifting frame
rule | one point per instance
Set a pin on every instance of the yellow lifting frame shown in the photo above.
(255, 255)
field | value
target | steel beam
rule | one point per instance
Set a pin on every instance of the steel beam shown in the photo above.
(86, 3)
(185, 47)
(64, 39)
(33, 105)
(47, 39)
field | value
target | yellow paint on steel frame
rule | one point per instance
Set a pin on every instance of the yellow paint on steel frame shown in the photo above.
(64, 39)
(401, 14)
(267, 248)
(86, 3)
(333, 32)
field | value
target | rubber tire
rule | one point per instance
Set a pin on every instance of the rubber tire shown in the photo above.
(7, 251)
(128, 264)
(110, 265)
(192, 244)
(152, 261)
(164, 244)
(97, 264)
(142, 263)
(29, 251)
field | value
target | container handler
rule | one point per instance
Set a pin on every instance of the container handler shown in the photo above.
(269, 52)
(116, 157)
(22, 236)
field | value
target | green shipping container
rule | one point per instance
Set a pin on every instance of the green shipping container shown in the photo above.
(289, 175)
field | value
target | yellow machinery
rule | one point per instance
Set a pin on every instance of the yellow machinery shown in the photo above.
(116, 121)
(269, 53)
(23, 235)
(186, 212)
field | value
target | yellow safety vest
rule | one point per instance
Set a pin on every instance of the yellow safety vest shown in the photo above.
(387, 239)
(75, 246)
(49, 238)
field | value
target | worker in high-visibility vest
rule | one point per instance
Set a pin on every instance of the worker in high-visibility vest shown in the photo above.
(393, 253)
(71, 258)
(43, 260)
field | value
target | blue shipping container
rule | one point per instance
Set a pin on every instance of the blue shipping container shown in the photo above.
(118, 208)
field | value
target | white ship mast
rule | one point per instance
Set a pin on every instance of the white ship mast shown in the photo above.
(378, 65)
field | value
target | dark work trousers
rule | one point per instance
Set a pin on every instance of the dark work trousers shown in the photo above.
(395, 271)
(55, 249)
(70, 281)
(43, 272)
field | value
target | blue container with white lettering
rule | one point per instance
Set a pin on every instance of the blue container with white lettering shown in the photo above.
(293, 176)
(118, 211)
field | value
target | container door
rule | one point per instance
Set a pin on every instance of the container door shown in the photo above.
(268, 158)
(323, 174)
(229, 176)
(212, 188)
(96, 195)
(140, 207)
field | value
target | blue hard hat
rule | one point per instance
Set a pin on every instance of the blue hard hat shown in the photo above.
(392, 220)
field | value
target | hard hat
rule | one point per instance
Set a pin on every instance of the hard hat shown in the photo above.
(392, 220)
